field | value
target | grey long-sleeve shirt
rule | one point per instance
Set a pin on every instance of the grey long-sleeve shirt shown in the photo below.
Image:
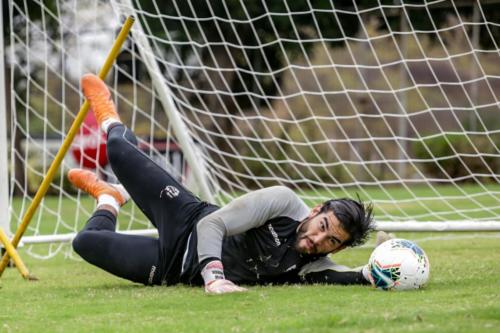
(247, 212)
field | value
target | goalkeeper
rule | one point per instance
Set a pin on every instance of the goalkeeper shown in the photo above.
(266, 236)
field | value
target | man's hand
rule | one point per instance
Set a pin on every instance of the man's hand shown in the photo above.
(215, 282)
(367, 275)
(222, 287)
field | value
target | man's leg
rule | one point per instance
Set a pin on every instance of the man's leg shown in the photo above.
(159, 196)
(171, 208)
(166, 203)
(134, 258)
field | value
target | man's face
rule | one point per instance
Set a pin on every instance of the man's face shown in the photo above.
(320, 233)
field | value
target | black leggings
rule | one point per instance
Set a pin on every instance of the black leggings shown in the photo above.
(171, 208)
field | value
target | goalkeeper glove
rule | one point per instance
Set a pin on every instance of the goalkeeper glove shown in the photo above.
(367, 275)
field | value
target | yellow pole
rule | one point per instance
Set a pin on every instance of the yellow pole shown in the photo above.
(13, 254)
(67, 143)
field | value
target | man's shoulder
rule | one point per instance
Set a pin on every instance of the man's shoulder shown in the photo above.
(285, 202)
(278, 190)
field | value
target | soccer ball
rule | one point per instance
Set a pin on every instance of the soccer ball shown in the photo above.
(398, 264)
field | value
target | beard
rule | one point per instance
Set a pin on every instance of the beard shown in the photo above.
(301, 234)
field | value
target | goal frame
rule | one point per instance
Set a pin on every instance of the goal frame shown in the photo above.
(192, 153)
(4, 168)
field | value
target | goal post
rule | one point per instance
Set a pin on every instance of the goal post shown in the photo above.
(4, 171)
(393, 100)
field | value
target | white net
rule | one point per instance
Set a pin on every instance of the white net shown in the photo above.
(396, 101)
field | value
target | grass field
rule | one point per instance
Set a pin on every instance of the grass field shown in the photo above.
(462, 296)
(71, 296)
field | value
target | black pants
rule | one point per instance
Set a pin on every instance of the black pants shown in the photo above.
(172, 209)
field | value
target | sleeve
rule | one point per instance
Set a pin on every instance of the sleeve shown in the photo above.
(325, 271)
(244, 213)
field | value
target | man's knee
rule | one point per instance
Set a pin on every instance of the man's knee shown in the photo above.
(114, 148)
(119, 144)
(82, 242)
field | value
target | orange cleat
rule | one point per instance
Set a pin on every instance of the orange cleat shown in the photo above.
(88, 182)
(99, 97)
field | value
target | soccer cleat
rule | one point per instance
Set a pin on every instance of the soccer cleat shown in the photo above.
(99, 97)
(88, 182)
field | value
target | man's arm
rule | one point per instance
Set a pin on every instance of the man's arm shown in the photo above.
(327, 272)
(249, 211)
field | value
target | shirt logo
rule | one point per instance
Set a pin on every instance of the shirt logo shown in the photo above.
(152, 274)
(275, 235)
(170, 191)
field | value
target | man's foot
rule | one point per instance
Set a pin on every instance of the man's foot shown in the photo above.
(382, 237)
(99, 97)
(88, 182)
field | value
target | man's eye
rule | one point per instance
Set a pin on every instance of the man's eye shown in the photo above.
(322, 226)
(333, 241)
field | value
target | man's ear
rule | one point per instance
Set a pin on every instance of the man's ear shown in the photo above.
(315, 210)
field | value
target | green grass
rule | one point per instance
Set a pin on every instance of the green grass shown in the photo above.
(71, 296)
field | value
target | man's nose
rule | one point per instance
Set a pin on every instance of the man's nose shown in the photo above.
(318, 238)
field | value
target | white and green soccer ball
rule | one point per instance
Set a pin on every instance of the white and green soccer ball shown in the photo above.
(398, 264)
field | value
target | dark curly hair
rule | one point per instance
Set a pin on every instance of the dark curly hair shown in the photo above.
(355, 217)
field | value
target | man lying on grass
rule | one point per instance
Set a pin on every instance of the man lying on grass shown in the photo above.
(266, 236)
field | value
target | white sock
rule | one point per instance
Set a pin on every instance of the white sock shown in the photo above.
(105, 124)
(106, 199)
(123, 191)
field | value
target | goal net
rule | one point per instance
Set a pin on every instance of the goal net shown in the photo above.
(394, 101)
